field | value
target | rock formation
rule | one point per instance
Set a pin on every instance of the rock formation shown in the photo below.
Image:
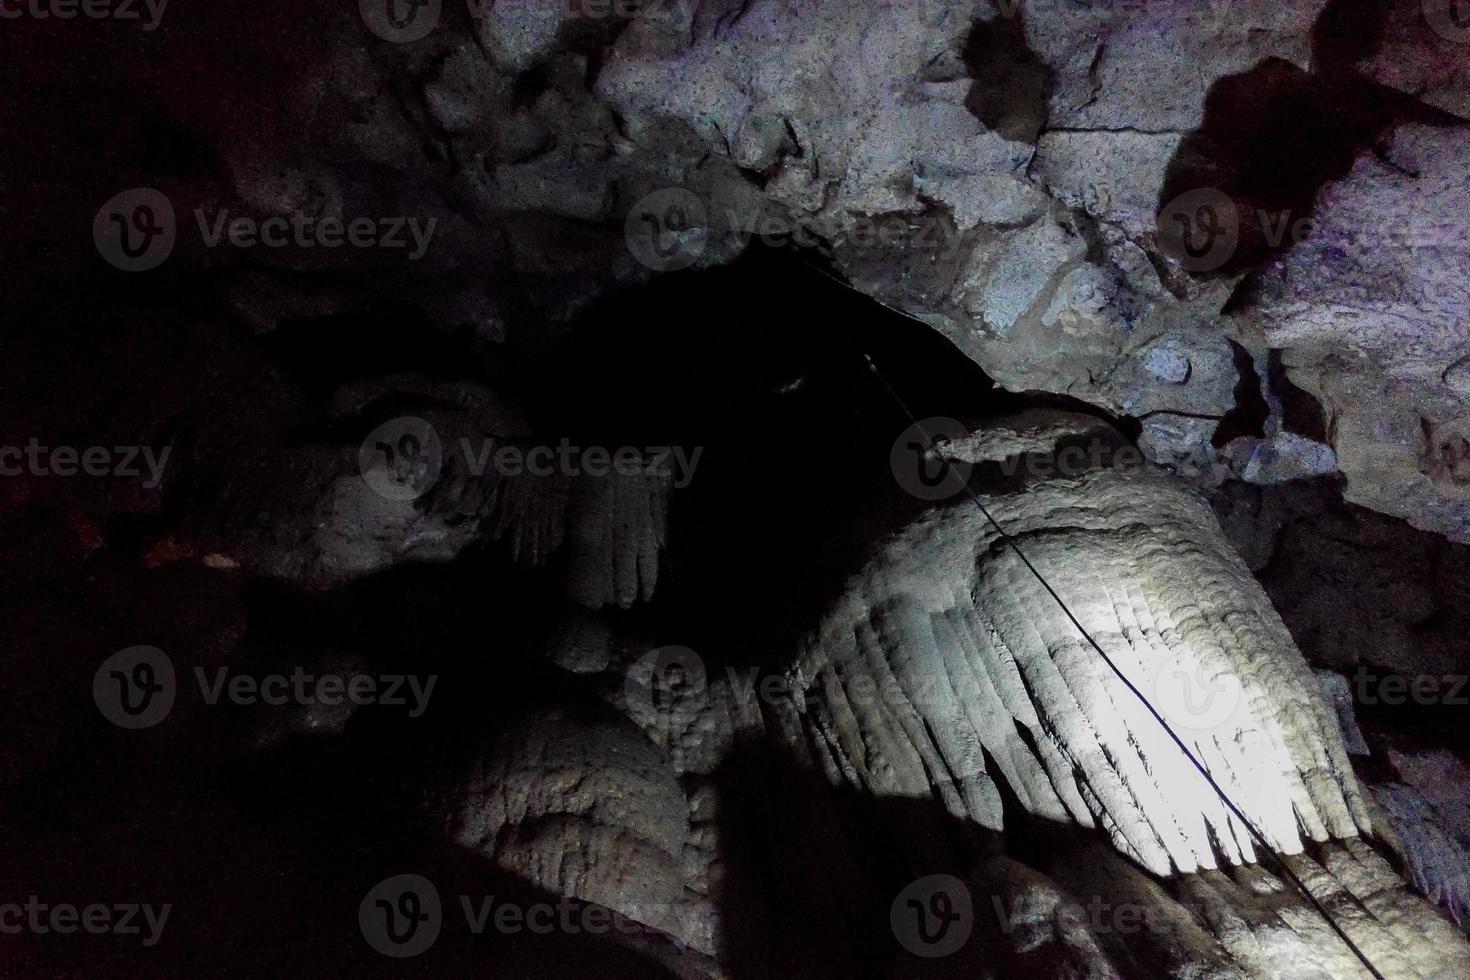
(944, 675)
(1208, 251)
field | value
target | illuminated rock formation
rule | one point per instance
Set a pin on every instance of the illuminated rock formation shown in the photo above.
(944, 678)
(973, 659)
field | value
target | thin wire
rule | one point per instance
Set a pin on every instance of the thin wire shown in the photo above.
(1006, 537)
(1014, 546)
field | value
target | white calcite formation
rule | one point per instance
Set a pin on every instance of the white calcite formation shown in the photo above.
(1437, 860)
(591, 809)
(315, 515)
(943, 675)
(945, 653)
(1243, 922)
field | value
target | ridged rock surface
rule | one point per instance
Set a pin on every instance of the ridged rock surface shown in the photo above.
(589, 809)
(1101, 918)
(969, 656)
(324, 513)
(943, 678)
(1436, 859)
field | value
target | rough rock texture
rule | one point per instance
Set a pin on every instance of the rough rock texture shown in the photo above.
(1006, 173)
(1371, 317)
(1420, 802)
(1443, 779)
(1339, 694)
(426, 486)
(1017, 242)
(944, 676)
(1429, 813)
(943, 687)
(1425, 52)
(1103, 918)
(1355, 587)
(590, 809)
(1438, 860)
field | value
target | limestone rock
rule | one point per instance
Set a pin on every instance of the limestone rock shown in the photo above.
(944, 651)
(1425, 51)
(591, 810)
(1438, 861)
(1355, 587)
(1370, 314)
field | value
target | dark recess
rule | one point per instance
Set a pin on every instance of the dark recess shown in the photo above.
(1011, 83)
(1274, 135)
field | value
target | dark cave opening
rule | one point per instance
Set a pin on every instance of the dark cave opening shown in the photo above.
(772, 385)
